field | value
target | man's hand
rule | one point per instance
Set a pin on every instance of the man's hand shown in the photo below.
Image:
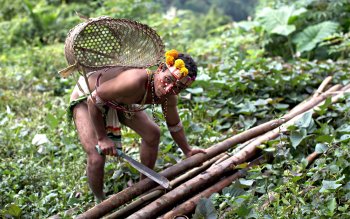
(107, 146)
(194, 151)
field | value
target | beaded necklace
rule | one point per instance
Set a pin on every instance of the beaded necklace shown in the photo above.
(154, 98)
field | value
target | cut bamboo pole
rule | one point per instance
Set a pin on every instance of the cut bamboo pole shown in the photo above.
(188, 206)
(127, 210)
(312, 157)
(323, 85)
(329, 93)
(126, 195)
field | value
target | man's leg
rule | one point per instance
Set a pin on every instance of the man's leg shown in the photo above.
(150, 134)
(95, 162)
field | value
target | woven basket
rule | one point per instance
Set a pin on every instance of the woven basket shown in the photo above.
(107, 42)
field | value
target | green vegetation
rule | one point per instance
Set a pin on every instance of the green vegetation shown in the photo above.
(251, 71)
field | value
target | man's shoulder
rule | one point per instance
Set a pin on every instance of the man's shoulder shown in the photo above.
(130, 79)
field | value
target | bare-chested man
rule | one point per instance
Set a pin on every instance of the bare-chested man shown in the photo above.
(127, 92)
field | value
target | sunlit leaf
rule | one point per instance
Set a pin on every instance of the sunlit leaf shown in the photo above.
(329, 185)
(246, 182)
(197, 90)
(40, 139)
(321, 148)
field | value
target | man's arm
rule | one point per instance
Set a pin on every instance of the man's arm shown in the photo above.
(175, 127)
(96, 117)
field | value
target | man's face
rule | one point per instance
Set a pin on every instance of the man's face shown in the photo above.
(167, 84)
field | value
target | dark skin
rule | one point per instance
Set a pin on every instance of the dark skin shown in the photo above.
(126, 89)
(127, 86)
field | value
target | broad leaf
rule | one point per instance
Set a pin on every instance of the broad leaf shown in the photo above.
(297, 136)
(305, 121)
(308, 39)
(233, 190)
(246, 182)
(321, 148)
(345, 128)
(205, 209)
(329, 185)
(331, 205)
(279, 21)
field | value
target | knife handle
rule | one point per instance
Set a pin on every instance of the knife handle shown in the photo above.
(99, 151)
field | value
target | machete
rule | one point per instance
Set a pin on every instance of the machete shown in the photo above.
(161, 180)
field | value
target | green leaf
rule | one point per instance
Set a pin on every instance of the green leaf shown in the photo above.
(197, 90)
(321, 148)
(345, 128)
(331, 205)
(325, 138)
(14, 210)
(309, 38)
(345, 137)
(205, 209)
(279, 21)
(246, 182)
(243, 210)
(233, 190)
(297, 136)
(323, 108)
(305, 121)
(329, 185)
(52, 121)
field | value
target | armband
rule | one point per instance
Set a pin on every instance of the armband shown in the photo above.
(176, 127)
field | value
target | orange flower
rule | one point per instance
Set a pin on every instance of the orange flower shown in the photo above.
(172, 53)
(170, 60)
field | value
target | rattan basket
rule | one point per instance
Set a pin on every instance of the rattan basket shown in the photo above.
(107, 42)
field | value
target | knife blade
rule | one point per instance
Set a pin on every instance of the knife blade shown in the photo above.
(161, 180)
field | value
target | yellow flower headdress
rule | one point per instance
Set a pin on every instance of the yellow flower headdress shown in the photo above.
(171, 58)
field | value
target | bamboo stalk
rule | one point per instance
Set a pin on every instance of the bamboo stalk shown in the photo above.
(329, 91)
(324, 83)
(127, 210)
(188, 206)
(126, 195)
(312, 157)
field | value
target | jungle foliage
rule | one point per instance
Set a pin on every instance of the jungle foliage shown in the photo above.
(250, 72)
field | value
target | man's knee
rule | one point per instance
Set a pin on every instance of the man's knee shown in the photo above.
(154, 136)
(96, 160)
